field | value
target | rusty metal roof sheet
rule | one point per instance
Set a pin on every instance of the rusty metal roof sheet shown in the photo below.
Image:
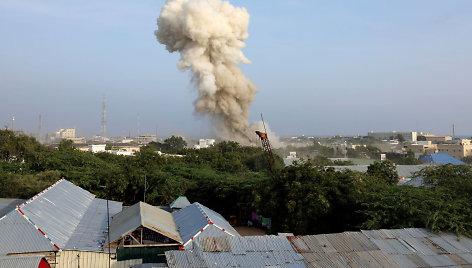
(237, 251)
(348, 249)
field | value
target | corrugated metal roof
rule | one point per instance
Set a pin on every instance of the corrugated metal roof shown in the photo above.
(59, 211)
(197, 219)
(19, 236)
(441, 158)
(180, 202)
(142, 214)
(348, 249)
(63, 216)
(89, 235)
(249, 251)
(416, 247)
(20, 261)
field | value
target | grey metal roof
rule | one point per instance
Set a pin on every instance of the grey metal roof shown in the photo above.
(8, 204)
(192, 219)
(19, 236)
(416, 247)
(20, 261)
(63, 216)
(180, 202)
(142, 214)
(237, 251)
(89, 235)
(59, 210)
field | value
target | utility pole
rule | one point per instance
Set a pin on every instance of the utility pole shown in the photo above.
(453, 132)
(108, 224)
(13, 123)
(108, 233)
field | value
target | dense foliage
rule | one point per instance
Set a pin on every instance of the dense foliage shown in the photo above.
(404, 159)
(306, 198)
(310, 199)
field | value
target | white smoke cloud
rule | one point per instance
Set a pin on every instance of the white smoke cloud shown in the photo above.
(209, 35)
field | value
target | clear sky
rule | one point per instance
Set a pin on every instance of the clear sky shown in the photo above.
(322, 67)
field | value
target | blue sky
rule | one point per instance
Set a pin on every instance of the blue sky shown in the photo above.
(322, 67)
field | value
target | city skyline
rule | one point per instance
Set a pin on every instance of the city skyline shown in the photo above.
(321, 68)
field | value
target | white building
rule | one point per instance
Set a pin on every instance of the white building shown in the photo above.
(204, 143)
(121, 152)
(66, 133)
(97, 148)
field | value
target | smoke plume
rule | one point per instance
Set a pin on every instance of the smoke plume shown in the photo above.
(209, 35)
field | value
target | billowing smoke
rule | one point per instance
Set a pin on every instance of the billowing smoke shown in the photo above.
(209, 35)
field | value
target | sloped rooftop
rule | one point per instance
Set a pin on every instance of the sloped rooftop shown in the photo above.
(196, 219)
(180, 203)
(64, 216)
(142, 214)
(21, 261)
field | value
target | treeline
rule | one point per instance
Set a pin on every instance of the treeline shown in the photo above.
(309, 199)
(220, 176)
(306, 198)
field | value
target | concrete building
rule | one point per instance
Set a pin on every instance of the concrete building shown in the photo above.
(66, 133)
(459, 149)
(146, 138)
(436, 139)
(421, 147)
(97, 148)
(408, 136)
(204, 143)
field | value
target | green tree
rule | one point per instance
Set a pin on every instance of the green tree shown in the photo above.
(421, 138)
(384, 171)
(467, 159)
(400, 138)
(175, 144)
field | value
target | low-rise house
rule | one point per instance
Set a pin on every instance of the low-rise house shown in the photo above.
(65, 223)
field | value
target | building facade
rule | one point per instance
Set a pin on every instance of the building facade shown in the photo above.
(459, 150)
(408, 136)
